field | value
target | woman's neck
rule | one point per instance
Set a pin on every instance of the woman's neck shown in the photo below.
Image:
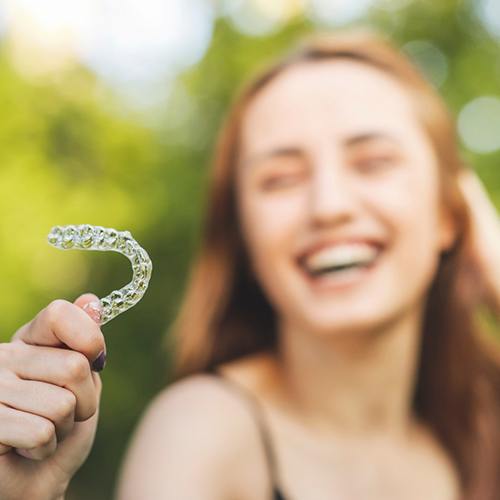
(358, 385)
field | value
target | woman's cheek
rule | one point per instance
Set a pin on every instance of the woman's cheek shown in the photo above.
(274, 218)
(413, 227)
(270, 227)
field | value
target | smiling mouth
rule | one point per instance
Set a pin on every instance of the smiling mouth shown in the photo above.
(337, 269)
(340, 264)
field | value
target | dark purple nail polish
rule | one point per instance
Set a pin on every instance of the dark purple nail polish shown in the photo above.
(99, 362)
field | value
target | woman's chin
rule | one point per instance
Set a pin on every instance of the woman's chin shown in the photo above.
(335, 322)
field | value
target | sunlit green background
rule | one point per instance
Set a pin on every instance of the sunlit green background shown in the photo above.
(80, 145)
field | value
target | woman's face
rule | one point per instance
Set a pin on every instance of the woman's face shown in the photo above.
(335, 171)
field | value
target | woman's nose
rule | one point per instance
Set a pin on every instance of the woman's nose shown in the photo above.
(332, 197)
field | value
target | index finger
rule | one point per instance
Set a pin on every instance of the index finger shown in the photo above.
(60, 324)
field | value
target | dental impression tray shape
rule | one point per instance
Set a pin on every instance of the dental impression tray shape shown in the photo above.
(88, 237)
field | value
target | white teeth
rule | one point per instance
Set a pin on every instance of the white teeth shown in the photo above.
(341, 255)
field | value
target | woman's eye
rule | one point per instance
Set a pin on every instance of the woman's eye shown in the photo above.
(280, 181)
(376, 163)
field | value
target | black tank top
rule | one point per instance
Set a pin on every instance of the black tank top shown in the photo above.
(264, 433)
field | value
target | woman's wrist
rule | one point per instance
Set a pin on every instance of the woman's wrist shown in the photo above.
(58, 494)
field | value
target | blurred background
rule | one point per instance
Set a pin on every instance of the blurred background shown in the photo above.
(110, 109)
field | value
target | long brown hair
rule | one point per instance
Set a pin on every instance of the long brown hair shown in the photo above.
(225, 313)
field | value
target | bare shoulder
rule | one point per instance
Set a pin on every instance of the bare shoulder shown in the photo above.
(200, 406)
(185, 398)
(188, 437)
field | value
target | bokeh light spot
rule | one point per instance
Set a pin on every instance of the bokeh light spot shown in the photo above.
(479, 124)
(337, 12)
(429, 58)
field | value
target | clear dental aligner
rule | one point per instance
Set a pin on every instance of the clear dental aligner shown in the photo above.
(88, 237)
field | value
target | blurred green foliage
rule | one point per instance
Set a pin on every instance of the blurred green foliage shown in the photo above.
(71, 153)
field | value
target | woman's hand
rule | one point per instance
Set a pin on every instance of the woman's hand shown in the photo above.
(485, 240)
(49, 400)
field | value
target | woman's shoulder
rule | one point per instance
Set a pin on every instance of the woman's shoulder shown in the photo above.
(199, 397)
(200, 403)
(197, 427)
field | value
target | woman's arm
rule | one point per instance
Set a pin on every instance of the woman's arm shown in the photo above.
(485, 241)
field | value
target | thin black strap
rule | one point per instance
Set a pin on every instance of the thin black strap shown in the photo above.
(262, 428)
(277, 495)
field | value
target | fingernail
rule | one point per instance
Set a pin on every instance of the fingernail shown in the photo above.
(99, 362)
(94, 310)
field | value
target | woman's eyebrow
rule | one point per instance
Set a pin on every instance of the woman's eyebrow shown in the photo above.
(280, 151)
(350, 141)
(367, 137)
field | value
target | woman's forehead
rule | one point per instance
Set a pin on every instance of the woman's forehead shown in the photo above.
(339, 97)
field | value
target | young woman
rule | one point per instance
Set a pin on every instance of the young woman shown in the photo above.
(329, 346)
